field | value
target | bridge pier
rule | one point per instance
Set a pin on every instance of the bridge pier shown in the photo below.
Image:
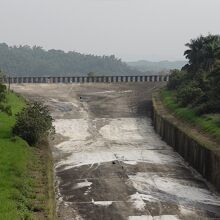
(167, 78)
(109, 79)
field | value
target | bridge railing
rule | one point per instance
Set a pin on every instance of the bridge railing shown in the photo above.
(87, 79)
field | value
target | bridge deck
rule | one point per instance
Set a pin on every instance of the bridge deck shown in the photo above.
(85, 79)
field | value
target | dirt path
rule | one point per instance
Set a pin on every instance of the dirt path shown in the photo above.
(109, 162)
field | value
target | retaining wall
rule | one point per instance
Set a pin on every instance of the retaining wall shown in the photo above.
(199, 151)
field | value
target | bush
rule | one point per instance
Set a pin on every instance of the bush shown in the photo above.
(189, 94)
(211, 106)
(3, 106)
(2, 93)
(176, 79)
(33, 123)
(6, 109)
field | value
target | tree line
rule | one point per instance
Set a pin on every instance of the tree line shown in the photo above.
(197, 85)
(35, 61)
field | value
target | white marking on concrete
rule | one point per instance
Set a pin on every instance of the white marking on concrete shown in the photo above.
(102, 203)
(82, 184)
(76, 129)
(139, 200)
(149, 217)
(148, 182)
(128, 150)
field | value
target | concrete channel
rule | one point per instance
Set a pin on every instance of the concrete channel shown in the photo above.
(109, 162)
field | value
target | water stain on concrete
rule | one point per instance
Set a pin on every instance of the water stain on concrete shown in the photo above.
(109, 162)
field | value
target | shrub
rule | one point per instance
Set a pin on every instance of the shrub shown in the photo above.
(33, 123)
(6, 109)
(3, 106)
(211, 106)
(176, 79)
(2, 93)
(189, 94)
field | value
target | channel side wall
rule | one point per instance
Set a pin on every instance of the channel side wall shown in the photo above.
(202, 153)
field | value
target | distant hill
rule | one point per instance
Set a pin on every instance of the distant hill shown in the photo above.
(148, 66)
(35, 61)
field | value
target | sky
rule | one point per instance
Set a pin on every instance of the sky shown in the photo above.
(130, 29)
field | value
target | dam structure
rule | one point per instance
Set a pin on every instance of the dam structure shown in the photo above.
(109, 163)
(86, 79)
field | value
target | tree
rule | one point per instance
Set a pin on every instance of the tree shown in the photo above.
(200, 86)
(2, 75)
(33, 123)
(91, 74)
(35, 61)
(201, 53)
(189, 94)
(176, 79)
(3, 90)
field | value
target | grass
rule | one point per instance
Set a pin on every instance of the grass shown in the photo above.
(23, 172)
(209, 123)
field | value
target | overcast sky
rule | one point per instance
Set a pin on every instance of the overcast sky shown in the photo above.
(130, 29)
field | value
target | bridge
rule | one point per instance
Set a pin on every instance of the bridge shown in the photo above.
(85, 79)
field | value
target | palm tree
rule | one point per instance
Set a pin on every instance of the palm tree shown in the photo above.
(193, 54)
(202, 53)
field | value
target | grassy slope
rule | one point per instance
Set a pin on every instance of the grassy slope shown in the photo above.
(23, 183)
(208, 123)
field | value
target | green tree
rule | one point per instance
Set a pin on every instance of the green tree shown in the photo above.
(2, 75)
(189, 94)
(201, 53)
(3, 101)
(35, 61)
(176, 79)
(199, 87)
(91, 74)
(33, 123)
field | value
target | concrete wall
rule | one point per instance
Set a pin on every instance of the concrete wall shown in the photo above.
(85, 79)
(201, 153)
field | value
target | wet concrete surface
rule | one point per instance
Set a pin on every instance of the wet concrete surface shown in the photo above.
(109, 162)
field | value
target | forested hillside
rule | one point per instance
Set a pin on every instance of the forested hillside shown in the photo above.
(35, 61)
(149, 66)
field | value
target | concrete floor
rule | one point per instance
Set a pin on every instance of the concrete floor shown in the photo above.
(109, 162)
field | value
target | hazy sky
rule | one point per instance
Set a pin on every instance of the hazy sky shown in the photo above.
(130, 29)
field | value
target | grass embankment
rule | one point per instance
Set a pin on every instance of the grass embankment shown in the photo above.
(25, 173)
(209, 123)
